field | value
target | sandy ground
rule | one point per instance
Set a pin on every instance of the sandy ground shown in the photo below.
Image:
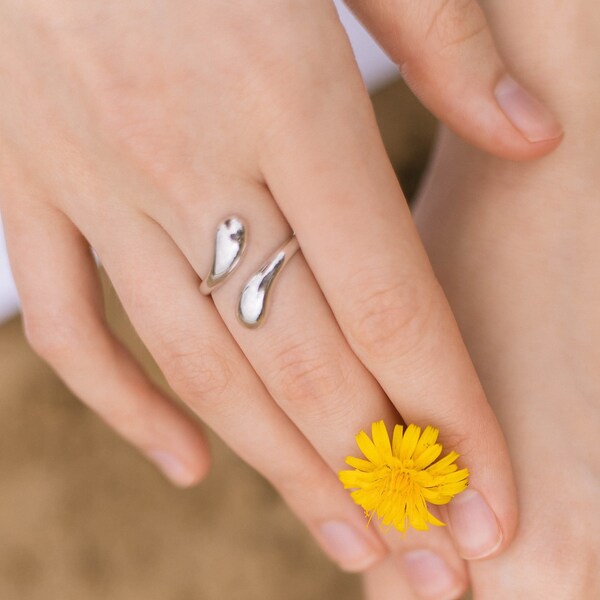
(84, 517)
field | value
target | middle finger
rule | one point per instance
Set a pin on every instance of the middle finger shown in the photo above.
(299, 353)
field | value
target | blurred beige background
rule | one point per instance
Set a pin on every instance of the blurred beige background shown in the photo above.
(84, 517)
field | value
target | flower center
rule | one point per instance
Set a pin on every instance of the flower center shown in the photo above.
(398, 478)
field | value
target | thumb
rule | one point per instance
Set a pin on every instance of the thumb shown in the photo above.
(448, 58)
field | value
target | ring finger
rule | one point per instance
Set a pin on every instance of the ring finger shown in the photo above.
(206, 368)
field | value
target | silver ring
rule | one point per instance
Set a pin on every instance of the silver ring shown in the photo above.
(230, 243)
(254, 299)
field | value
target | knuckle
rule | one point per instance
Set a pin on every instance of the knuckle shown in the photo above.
(308, 372)
(197, 372)
(455, 22)
(391, 319)
(457, 440)
(460, 435)
(299, 489)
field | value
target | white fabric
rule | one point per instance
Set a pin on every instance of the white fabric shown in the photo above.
(9, 301)
(376, 68)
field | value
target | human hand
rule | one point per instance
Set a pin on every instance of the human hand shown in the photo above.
(516, 248)
(136, 128)
(448, 57)
(520, 266)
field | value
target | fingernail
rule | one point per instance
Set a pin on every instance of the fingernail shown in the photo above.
(347, 547)
(173, 468)
(526, 113)
(430, 576)
(474, 526)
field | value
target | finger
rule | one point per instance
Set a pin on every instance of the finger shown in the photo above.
(332, 179)
(62, 308)
(299, 353)
(206, 368)
(388, 580)
(448, 57)
(385, 581)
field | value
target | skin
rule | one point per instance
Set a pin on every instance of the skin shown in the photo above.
(520, 265)
(516, 248)
(135, 129)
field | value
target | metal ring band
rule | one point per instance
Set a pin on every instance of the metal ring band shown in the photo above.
(254, 299)
(230, 243)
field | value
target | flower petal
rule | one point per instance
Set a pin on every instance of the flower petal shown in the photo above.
(434, 496)
(360, 464)
(387, 510)
(427, 456)
(440, 465)
(454, 477)
(397, 440)
(434, 521)
(400, 517)
(409, 441)
(451, 489)
(415, 516)
(428, 438)
(349, 479)
(381, 439)
(368, 448)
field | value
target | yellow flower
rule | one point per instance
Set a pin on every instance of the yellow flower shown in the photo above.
(398, 479)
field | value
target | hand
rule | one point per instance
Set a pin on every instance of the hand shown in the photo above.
(520, 265)
(448, 57)
(135, 129)
(516, 247)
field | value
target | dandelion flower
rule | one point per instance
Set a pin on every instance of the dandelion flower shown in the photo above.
(398, 479)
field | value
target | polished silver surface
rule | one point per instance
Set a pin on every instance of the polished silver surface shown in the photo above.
(254, 299)
(230, 243)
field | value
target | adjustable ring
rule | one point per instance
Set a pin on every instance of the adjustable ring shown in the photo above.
(230, 243)
(254, 299)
